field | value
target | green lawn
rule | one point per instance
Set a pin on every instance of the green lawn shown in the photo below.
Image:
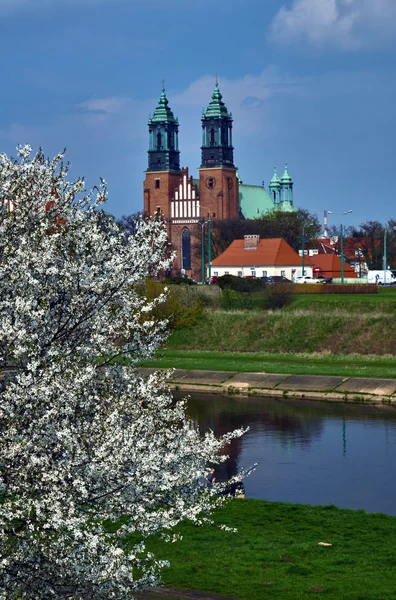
(302, 364)
(275, 553)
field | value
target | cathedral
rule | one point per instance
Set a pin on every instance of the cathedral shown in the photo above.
(188, 204)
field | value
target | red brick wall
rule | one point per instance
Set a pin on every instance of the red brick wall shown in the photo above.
(154, 197)
(223, 197)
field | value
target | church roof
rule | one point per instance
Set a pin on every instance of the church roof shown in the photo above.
(254, 201)
(163, 113)
(269, 252)
(216, 109)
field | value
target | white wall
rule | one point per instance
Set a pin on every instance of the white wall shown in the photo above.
(261, 271)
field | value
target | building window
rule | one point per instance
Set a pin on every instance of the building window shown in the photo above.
(157, 184)
(159, 141)
(283, 273)
(253, 273)
(186, 249)
(239, 273)
(265, 273)
(215, 273)
(212, 137)
(214, 215)
(226, 272)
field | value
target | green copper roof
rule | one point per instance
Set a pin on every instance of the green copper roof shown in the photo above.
(216, 109)
(286, 177)
(163, 113)
(286, 207)
(275, 181)
(254, 201)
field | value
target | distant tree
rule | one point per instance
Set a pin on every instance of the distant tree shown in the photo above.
(370, 240)
(276, 224)
(289, 226)
(129, 223)
(335, 231)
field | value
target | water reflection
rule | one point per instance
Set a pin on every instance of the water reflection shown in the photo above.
(314, 453)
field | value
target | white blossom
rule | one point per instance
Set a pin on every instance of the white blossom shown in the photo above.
(91, 453)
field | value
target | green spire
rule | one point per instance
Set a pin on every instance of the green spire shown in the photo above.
(163, 113)
(217, 108)
(275, 181)
(286, 177)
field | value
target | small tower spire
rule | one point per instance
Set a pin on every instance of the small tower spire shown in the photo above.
(275, 187)
(217, 150)
(163, 151)
(286, 187)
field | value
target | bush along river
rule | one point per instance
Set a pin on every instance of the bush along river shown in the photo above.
(308, 452)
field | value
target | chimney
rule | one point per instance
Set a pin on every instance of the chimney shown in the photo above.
(325, 230)
(251, 242)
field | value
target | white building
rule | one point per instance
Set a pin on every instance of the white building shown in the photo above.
(257, 257)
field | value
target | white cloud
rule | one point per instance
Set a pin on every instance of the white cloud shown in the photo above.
(348, 24)
(247, 98)
(107, 106)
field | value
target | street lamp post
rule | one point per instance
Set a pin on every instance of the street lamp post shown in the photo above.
(347, 212)
(303, 247)
(202, 222)
(385, 260)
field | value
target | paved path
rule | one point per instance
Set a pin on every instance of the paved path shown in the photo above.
(311, 387)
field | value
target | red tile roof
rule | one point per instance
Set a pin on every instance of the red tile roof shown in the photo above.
(275, 251)
(329, 265)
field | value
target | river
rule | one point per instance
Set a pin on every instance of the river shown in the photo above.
(308, 452)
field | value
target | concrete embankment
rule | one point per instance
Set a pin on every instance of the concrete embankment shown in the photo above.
(311, 387)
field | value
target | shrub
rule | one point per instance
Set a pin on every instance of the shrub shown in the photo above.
(277, 296)
(179, 281)
(180, 309)
(240, 284)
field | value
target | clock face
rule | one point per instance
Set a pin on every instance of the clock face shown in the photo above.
(210, 183)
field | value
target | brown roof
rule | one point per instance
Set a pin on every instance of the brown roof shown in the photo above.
(329, 265)
(275, 251)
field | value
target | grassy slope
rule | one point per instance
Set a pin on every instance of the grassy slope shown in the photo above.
(275, 553)
(330, 335)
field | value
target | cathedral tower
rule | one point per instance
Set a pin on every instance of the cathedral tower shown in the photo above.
(219, 194)
(275, 188)
(163, 170)
(286, 193)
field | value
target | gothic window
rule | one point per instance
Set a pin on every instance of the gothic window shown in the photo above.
(157, 184)
(186, 249)
(212, 137)
(159, 141)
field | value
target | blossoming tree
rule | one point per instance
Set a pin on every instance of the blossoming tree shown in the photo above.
(85, 441)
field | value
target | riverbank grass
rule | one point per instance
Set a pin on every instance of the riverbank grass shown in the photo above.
(266, 362)
(276, 553)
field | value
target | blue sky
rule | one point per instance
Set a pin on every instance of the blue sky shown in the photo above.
(312, 81)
